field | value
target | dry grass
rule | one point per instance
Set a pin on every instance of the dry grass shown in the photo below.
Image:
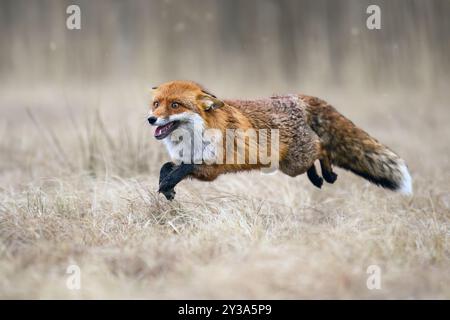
(78, 175)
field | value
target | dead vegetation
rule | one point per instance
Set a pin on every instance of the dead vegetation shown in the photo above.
(78, 187)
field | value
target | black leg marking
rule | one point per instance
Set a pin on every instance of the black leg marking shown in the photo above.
(176, 174)
(314, 177)
(165, 170)
(327, 171)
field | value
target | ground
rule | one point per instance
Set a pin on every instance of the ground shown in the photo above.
(78, 181)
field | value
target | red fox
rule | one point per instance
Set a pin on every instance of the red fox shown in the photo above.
(309, 129)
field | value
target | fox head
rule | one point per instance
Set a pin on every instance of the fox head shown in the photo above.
(181, 104)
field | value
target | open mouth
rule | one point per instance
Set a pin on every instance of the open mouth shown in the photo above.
(163, 131)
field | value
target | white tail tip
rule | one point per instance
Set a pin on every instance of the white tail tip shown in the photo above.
(406, 183)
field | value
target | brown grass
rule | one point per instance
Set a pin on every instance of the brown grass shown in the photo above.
(78, 174)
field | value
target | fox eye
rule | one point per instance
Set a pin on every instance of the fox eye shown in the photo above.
(175, 105)
(156, 104)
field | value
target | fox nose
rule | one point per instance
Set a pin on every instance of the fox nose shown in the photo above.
(152, 120)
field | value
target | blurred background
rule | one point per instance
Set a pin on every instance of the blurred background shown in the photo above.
(79, 165)
(76, 100)
(262, 45)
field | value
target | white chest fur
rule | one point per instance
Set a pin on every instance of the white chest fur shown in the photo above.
(188, 143)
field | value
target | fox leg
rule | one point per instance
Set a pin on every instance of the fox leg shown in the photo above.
(314, 177)
(174, 174)
(327, 171)
(165, 170)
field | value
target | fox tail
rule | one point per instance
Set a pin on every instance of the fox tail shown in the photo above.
(349, 147)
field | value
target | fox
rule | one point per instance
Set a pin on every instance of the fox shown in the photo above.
(309, 130)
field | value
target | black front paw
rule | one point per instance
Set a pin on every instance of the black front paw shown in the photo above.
(167, 190)
(171, 175)
(169, 194)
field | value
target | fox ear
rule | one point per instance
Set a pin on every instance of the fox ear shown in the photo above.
(152, 91)
(209, 102)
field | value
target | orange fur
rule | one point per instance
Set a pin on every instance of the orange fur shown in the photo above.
(190, 96)
(309, 130)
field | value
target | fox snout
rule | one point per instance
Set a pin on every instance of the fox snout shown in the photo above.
(164, 126)
(152, 120)
(160, 121)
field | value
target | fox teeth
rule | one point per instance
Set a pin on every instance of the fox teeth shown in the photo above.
(163, 129)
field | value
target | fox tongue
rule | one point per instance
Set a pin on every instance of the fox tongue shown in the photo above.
(162, 129)
(158, 131)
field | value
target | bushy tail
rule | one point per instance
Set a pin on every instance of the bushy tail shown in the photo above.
(351, 148)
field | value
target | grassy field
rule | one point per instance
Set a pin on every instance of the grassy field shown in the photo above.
(78, 178)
